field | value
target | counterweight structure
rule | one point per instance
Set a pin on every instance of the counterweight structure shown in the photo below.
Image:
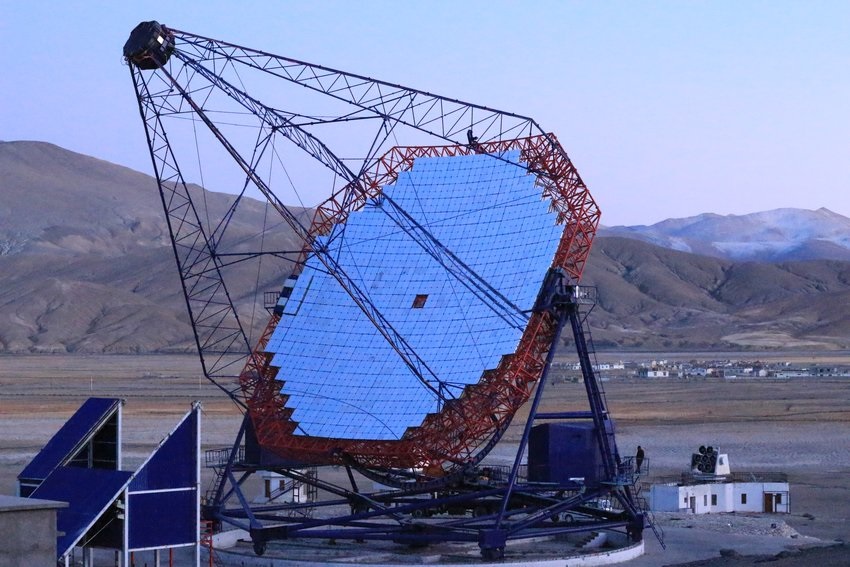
(420, 312)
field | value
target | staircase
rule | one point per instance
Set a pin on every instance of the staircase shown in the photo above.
(593, 540)
(643, 505)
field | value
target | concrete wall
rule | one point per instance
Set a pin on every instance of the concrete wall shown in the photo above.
(748, 497)
(755, 500)
(29, 531)
(725, 497)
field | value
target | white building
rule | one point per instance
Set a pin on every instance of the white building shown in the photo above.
(724, 496)
(722, 491)
(278, 488)
(653, 373)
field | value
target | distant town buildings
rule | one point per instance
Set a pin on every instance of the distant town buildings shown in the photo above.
(564, 371)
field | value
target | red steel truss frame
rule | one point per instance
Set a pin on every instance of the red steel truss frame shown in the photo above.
(480, 415)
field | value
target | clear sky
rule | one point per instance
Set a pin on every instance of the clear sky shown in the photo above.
(668, 109)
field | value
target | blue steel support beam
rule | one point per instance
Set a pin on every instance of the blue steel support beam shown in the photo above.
(551, 299)
(565, 415)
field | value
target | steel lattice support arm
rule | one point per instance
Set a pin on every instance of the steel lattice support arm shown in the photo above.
(220, 338)
(446, 118)
(275, 121)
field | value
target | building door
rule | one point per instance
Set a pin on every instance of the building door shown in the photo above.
(768, 503)
(694, 504)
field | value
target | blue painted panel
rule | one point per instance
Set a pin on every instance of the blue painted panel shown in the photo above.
(341, 377)
(88, 492)
(160, 519)
(166, 512)
(174, 464)
(80, 427)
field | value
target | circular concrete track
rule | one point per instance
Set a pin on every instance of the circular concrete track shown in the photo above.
(234, 549)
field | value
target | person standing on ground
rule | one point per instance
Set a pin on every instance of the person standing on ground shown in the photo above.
(639, 458)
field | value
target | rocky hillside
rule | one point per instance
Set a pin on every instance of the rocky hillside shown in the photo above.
(85, 259)
(655, 298)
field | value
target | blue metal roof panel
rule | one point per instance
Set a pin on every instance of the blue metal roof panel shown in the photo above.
(79, 428)
(88, 492)
(174, 464)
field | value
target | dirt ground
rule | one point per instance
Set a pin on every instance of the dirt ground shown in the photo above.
(798, 426)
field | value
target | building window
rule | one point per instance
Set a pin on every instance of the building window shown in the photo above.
(743, 498)
(705, 499)
(714, 500)
(686, 499)
(778, 499)
(419, 301)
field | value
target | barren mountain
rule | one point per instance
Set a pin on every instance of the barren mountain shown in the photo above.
(655, 298)
(85, 259)
(775, 236)
(86, 266)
